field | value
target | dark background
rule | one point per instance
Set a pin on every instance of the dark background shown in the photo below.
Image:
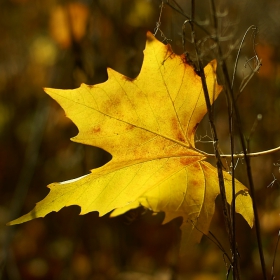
(60, 44)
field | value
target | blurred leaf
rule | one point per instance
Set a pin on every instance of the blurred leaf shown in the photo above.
(140, 14)
(68, 23)
(266, 53)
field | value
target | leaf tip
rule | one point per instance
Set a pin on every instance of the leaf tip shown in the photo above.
(20, 220)
(213, 64)
(46, 89)
(50, 91)
(150, 36)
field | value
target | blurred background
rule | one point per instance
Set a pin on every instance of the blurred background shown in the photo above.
(61, 44)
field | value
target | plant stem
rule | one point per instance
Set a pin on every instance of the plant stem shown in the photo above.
(229, 92)
(241, 155)
(226, 211)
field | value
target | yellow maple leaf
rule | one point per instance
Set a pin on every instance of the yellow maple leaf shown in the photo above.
(148, 125)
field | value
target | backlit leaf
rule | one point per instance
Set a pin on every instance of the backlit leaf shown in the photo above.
(148, 125)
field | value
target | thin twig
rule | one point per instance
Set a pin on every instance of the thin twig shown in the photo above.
(272, 183)
(219, 245)
(235, 271)
(229, 92)
(215, 240)
(231, 218)
(274, 257)
(253, 27)
(241, 155)
(181, 12)
(255, 124)
(213, 129)
(158, 23)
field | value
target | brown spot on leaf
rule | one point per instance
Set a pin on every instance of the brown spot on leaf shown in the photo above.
(169, 54)
(150, 37)
(170, 51)
(112, 103)
(185, 160)
(194, 129)
(174, 123)
(96, 129)
(180, 137)
(129, 127)
(175, 127)
(184, 57)
(127, 78)
(195, 184)
(189, 62)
